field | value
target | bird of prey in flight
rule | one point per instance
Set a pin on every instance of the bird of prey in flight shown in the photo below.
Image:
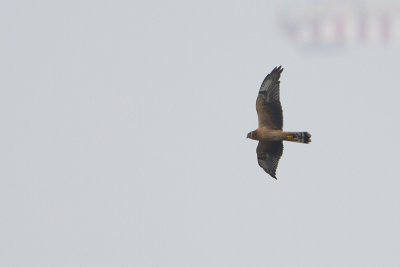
(269, 133)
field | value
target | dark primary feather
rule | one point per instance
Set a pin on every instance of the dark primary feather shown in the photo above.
(268, 155)
(270, 85)
(268, 105)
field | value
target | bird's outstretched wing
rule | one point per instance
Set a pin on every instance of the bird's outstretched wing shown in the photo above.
(268, 104)
(268, 155)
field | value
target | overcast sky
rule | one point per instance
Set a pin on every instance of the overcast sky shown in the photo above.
(123, 125)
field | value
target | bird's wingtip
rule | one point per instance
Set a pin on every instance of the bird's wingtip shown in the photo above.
(278, 69)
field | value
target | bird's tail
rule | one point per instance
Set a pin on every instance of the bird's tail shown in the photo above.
(300, 137)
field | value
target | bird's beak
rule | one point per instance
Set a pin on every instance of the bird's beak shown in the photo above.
(248, 135)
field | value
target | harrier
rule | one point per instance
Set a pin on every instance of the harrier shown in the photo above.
(270, 121)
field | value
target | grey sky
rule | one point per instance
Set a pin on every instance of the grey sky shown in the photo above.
(123, 128)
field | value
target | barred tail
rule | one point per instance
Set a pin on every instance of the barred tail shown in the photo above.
(300, 137)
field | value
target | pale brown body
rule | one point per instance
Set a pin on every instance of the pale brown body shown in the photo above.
(270, 122)
(262, 134)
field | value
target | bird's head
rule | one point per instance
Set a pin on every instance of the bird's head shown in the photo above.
(252, 135)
